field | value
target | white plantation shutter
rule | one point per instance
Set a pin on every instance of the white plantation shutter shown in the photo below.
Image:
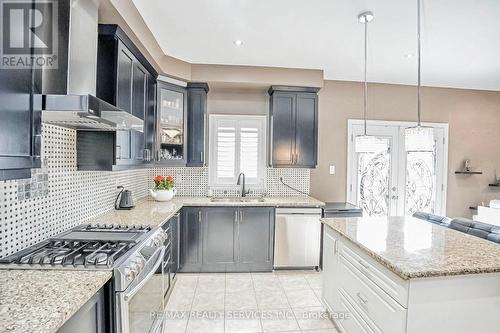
(237, 144)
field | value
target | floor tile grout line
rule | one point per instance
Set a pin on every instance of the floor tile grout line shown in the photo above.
(257, 303)
(290, 305)
(192, 301)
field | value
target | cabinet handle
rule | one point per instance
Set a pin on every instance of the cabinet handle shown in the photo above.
(296, 158)
(335, 248)
(118, 152)
(365, 266)
(361, 298)
(199, 216)
(235, 216)
(201, 157)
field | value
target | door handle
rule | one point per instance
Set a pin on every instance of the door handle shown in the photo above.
(361, 298)
(118, 152)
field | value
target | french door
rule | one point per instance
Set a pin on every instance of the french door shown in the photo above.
(385, 180)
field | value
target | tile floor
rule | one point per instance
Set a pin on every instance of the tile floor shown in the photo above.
(282, 301)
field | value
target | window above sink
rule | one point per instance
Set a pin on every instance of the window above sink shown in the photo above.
(237, 144)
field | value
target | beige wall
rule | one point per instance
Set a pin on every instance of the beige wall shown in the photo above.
(473, 118)
(253, 101)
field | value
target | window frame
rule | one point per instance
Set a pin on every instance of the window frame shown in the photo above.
(214, 121)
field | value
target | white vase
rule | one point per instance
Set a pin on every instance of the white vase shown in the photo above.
(163, 195)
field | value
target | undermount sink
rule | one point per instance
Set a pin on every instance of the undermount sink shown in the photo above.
(236, 199)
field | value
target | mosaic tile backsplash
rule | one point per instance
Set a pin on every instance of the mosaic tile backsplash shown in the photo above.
(58, 197)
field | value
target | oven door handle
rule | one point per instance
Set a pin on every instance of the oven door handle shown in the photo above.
(141, 284)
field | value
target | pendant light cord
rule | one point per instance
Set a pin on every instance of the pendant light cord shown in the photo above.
(365, 97)
(418, 63)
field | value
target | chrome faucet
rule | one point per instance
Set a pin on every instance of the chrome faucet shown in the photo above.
(244, 191)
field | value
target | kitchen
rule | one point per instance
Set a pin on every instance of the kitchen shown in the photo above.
(256, 154)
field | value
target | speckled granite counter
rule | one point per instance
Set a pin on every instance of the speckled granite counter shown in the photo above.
(152, 212)
(413, 248)
(41, 301)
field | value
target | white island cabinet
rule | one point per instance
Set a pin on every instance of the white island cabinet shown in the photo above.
(396, 275)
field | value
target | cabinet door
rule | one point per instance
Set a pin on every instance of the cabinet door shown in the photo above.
(150, 118)
(331, 270)
(124, 68)
(255, 239)
(283, 128)
(306, 135)
(197, 106)
(219, 239)
(139, 97)
(20, 125)
(171, 124)
(191, 251)
(175, 233)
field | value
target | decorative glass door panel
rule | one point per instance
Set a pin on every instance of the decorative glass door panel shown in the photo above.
(420, 194)
(374, 177)
(385, 180)
(171, 126)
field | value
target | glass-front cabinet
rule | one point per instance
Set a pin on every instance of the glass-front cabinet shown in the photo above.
(171, 124)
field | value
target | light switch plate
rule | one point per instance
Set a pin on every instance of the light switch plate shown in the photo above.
(332, 169)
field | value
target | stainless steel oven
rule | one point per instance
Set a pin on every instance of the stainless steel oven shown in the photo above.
(140, 306)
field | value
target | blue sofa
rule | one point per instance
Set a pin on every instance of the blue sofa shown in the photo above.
(478, 229)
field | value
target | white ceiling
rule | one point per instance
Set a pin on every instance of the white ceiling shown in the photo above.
(461, 38)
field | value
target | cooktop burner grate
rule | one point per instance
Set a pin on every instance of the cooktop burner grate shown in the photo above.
(74, 253)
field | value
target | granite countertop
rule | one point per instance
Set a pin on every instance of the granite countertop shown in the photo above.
(414, 248)
(41, 301)
(148, 211)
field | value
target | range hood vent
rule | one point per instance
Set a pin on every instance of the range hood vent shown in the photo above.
(87, 112)
(68, 91)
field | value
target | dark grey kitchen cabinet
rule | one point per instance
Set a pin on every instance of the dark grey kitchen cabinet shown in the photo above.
(227, 239)
(92, 317)
(126, 79)
(196, 123)
(256, 238)
(171, 125)
(220, 234)
(20, 123)
(191, 239)
(294, 126)
(175, 233)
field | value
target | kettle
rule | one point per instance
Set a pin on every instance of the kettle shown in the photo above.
(125, 198)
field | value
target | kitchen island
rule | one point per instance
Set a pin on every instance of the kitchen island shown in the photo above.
(401, 274)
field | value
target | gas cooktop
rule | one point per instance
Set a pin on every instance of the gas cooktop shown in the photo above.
(97, 246)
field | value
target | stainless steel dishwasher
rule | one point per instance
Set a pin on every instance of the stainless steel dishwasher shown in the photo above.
(297, 238)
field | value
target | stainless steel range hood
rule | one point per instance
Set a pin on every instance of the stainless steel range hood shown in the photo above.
(68, 98)
(86, 112)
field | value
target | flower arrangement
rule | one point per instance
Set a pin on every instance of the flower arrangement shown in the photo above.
(164, 183)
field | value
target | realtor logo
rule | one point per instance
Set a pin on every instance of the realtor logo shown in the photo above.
(29, 31)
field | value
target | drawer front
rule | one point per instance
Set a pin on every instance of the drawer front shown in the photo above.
(354, 323)
(389, 282)
(384, 313)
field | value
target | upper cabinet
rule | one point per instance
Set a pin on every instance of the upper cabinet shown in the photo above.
(171, 126)
(127, 80)
(20, 123)
(294, 126)
(196, 123)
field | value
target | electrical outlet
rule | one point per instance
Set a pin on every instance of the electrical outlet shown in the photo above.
(332, 169)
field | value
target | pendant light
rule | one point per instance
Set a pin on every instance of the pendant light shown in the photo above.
(365, 143)
(419, 138)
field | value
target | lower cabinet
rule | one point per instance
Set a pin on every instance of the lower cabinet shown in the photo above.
(374, 297)
(90, 318)
(227, 239)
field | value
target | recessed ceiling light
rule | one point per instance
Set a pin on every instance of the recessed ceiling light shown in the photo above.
(237, 42)
(409, 55)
